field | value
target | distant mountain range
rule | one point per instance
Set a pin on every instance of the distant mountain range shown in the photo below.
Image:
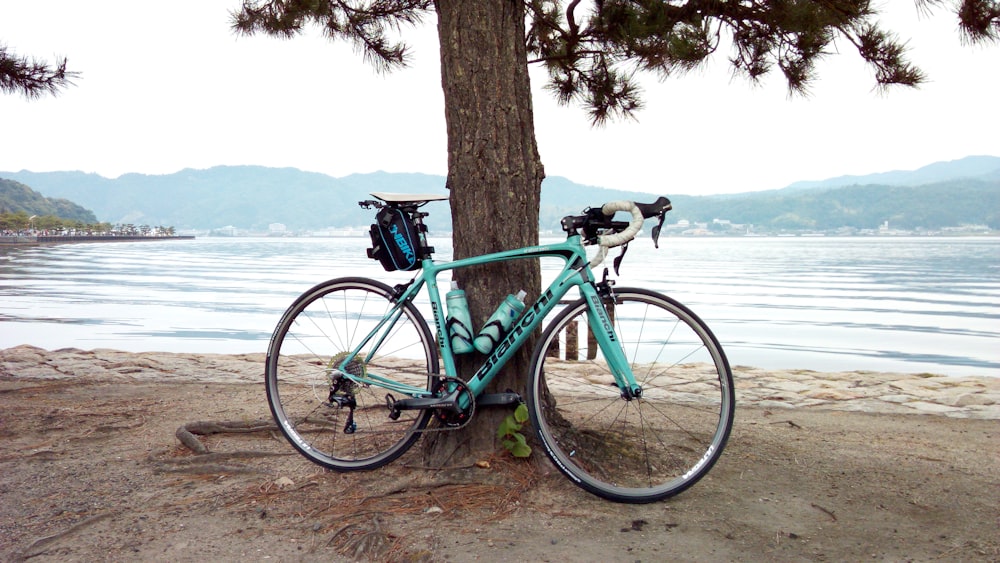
(252, 197)
(965, 191)
(984, 168)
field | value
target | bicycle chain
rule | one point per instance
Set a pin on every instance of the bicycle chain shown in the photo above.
(425, 374)
(421, 431)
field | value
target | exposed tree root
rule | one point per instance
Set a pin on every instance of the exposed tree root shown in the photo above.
(207, 462)
(186, 433)
(38, 546)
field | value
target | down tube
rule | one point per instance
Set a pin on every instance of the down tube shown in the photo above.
(526, 324)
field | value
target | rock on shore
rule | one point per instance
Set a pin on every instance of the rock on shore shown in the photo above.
(865, 391)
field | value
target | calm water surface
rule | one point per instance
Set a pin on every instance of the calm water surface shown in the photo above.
(893, 304)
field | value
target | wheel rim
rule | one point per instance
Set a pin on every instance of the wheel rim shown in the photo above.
(643, 449)
(317, 333)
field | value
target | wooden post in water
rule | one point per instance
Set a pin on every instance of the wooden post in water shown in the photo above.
(572, 333)
(572, 344)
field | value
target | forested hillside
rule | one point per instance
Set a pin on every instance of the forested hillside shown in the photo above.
(15, 197)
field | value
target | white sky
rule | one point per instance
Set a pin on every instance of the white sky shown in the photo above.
(167, 86)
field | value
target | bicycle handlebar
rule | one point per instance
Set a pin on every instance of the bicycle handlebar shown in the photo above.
(640, 212)
(618, 239)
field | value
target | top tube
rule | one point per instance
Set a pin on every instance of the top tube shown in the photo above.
(575, 273)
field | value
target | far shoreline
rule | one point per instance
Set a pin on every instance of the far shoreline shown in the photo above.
(38, 240)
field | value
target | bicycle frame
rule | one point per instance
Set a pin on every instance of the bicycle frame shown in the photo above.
(351, 406)
(576, 272)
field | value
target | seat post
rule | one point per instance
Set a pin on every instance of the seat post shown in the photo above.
(418, 222)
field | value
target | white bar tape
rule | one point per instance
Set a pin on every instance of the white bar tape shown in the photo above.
(618, 239)
(633, 227)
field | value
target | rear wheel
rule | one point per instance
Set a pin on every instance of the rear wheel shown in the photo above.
(641, 449)
(332, 420)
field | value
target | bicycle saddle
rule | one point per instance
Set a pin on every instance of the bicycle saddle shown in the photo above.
(408, 198)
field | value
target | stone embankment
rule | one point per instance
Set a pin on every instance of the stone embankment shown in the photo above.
(868, 391)
(864, 391)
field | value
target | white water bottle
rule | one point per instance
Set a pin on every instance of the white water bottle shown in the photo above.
(499, 323)
(459, 322)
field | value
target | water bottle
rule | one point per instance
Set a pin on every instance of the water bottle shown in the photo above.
(459, 322)
(499, 323)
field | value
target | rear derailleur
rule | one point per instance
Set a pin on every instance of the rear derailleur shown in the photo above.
(342, 395)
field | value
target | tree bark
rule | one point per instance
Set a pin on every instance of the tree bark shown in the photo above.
(495, 176)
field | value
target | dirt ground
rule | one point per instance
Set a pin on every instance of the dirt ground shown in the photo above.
(91, 470)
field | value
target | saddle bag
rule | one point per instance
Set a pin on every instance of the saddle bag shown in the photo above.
(395, 240)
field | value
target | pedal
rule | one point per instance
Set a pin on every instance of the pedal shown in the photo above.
(390, 402)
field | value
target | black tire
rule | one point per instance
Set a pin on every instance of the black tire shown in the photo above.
(315, 332)
(648, 448)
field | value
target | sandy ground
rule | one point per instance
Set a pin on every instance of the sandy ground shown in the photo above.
(91, 470)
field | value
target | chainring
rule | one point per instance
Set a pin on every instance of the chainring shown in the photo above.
(444, 386)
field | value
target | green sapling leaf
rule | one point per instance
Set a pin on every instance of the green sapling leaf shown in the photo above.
(507, 426)
(521, 413)
(521, 447)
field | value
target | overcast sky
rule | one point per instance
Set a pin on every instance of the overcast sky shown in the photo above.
(167, 86)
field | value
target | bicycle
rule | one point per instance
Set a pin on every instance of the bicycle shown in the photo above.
(629, 392)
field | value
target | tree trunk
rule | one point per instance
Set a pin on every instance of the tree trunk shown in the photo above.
(495, 177)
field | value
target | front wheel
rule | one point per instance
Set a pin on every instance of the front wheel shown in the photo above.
(634, 450)
(333, 420)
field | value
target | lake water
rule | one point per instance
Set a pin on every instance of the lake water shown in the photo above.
(826, 304)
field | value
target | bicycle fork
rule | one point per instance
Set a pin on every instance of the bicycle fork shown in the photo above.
(600, 297)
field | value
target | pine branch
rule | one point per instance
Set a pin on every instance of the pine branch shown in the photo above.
(366, 24)
(979, 20)
(32, 78)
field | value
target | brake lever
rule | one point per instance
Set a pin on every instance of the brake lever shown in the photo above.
(618, 259)
(656, 231)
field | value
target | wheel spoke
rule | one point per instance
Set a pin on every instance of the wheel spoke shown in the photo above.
(639, 449)
(319, 332)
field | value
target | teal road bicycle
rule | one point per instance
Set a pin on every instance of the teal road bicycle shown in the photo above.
(629, 392)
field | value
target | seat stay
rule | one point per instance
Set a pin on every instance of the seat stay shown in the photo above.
(380, 333)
